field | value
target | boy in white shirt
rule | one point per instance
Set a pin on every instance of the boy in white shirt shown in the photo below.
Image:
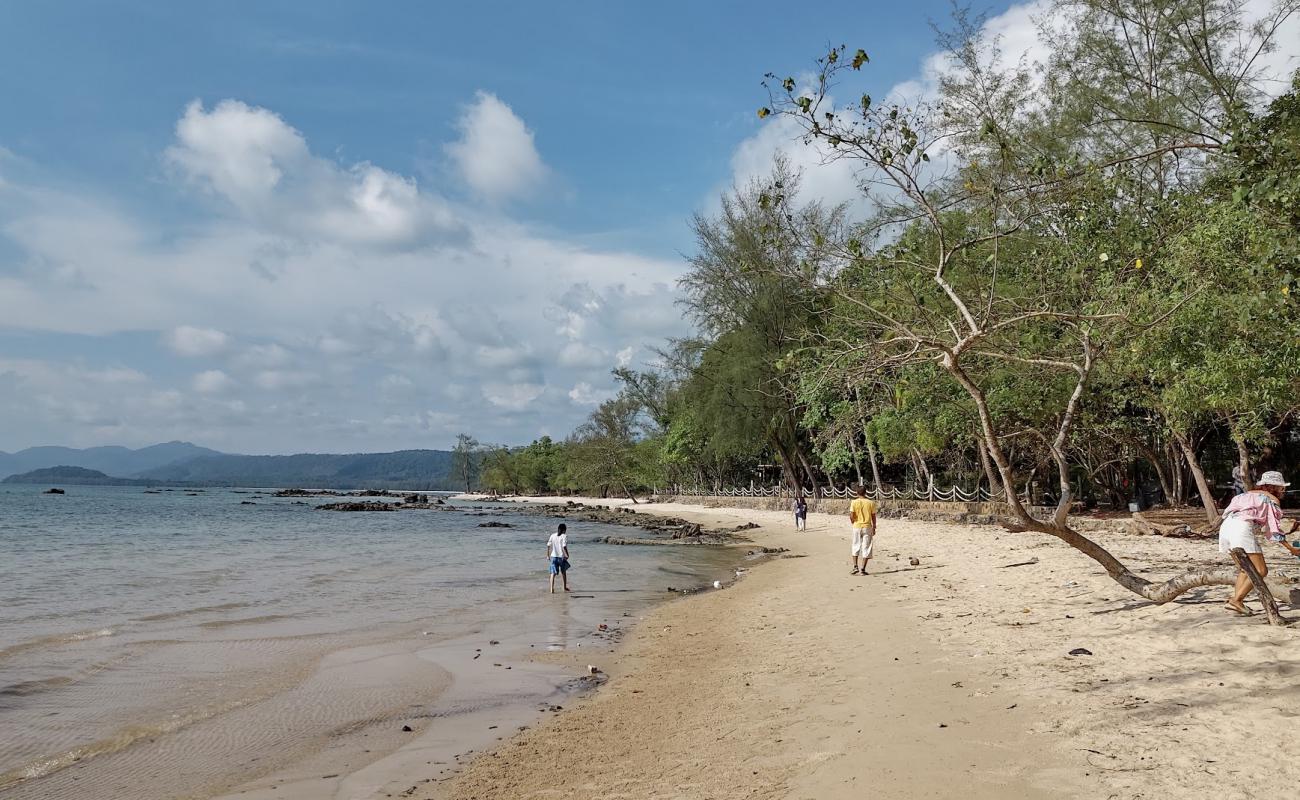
(557, 549)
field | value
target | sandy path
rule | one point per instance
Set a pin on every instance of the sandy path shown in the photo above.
(798, 681)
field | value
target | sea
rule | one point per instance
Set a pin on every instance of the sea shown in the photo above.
(166, 643)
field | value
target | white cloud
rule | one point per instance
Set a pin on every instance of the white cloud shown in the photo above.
(212, 381)
(584, 395)
(275, 379)
(192, 342)
(262, 167)
(495, 154)
(512, 396)
(499, 319)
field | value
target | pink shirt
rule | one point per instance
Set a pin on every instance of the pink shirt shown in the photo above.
(1259, 508)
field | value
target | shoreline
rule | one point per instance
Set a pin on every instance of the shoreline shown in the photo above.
(476, 713)
(784, 684)
(387, 637)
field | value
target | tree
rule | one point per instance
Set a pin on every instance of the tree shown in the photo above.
(465, 460)
(1007, 259)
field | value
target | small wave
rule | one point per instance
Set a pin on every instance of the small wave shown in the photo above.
(189, 612)
(24, 689)
(226, 623)
(54, 640)
(119, 740)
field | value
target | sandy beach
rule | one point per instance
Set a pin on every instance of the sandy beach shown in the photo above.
(949, 678)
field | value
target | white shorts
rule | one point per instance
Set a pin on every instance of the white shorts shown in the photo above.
(862, 542)
(1238, 533)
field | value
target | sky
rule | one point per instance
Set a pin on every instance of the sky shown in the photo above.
(334, 227)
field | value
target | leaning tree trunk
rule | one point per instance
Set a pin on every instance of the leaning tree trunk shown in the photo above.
(1202, 485)
(808, 470)
(995, 486)
(1162, 592)
(875, 468)
(628, 492)
(787, 465)
(1161, 473)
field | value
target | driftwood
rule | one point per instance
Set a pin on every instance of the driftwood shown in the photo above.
(1145, 526)
(1033, 560)
(1261, 587)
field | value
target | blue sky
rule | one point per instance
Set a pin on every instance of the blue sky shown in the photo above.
(276, 227)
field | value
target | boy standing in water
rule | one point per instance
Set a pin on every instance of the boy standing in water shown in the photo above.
(557, 549)
(862, 516)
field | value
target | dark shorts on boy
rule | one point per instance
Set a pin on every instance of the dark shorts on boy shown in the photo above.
(559, 565)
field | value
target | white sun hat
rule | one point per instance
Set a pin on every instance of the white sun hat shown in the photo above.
(1272, 478)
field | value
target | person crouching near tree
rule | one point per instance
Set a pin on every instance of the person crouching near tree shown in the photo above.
(1249, 513)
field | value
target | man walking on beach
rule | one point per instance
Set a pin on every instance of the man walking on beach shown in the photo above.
(862, 516)
(557, 549)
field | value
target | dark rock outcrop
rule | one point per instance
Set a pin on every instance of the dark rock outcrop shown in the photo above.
(364, 505)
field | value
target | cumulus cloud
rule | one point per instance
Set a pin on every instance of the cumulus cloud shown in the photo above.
(584, 395)
(212, 381)
(263, 168)
(495, 154)
(318, 332)
(512, 396)
(189, 341)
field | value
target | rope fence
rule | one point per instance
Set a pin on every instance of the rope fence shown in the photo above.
(953, 494)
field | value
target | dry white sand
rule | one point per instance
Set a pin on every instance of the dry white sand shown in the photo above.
(949, 679)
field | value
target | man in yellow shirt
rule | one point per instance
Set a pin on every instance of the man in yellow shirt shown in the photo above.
(862, 516)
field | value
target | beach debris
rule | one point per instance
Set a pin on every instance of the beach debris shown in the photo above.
(914, 561)
(493, 641)
(1033, 560)
(1080, 651)
(592, 669)
(943, 724)
(406, 729)
(671, 589)
(717, 584)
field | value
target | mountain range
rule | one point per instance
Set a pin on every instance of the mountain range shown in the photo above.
(118, 461)
(187, 464)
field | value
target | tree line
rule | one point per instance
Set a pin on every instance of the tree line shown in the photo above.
(1069, 280)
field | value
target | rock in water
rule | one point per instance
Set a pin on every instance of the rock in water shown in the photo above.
(55, 491)
(365, 505)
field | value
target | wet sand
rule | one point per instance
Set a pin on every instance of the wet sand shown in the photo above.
(950, 678)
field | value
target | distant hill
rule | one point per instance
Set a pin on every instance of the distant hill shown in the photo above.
(405, 469)
(109, 460)
(72, 476)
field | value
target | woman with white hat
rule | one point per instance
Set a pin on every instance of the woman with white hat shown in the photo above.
(1248, 514)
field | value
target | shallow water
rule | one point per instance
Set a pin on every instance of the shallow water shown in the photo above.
(180, 643)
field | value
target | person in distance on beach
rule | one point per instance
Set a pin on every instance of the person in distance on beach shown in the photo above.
(557, 549)
(1249, 513)
(862, 518)
(800, 512)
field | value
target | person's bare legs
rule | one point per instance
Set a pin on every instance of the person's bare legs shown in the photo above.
(564, 574)
(552, 583)
(1244, 587)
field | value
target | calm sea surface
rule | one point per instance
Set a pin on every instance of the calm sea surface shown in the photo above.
(176, 644)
